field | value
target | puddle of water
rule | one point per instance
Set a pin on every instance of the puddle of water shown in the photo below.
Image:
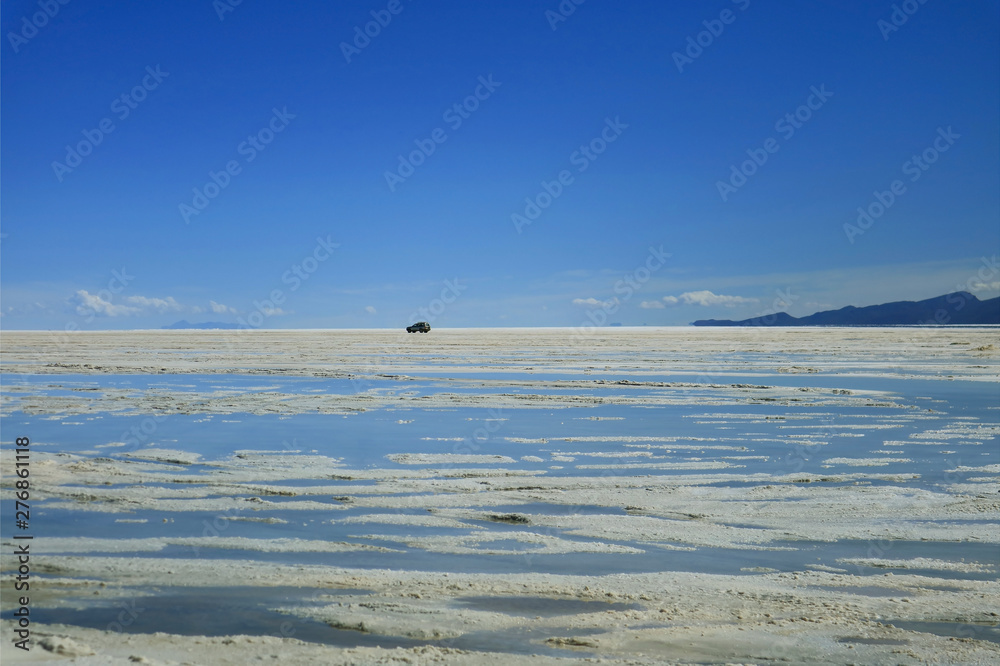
(540, 606)
(236, 611)
(230, 611)
(557, 509)
(365, 439)
(861, 640)
(524, 641)
(950, 551)
(981, 631)
(294, 483)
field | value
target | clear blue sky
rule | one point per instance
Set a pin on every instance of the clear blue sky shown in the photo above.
(661, 131)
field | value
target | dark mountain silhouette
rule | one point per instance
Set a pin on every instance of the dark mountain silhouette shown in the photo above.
(208, 325)
(959, 307)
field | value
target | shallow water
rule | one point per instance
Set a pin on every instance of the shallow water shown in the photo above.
(234, 611)
(229, 611)
(982, 631)
(844, 430)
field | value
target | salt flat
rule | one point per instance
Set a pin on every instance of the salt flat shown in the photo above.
(642, 495)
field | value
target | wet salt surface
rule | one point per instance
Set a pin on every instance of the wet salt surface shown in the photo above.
(763, 442)
(982, 631)
(540, 606)
(762, 438)
(234, 611)
(228, 611)
(922, 434)
(789, 556)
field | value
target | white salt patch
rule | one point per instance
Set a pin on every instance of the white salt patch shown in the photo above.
(421, 520)
(848, 426)
(980, 468)
(864, 462)
(678, 465)
(609, 454)
(633, 438)
(918, 563)
(481, 543)
(446, 458)
(155, 544)
(164, 455)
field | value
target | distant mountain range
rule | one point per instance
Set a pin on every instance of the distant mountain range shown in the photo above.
(208, 325)
(959, 307)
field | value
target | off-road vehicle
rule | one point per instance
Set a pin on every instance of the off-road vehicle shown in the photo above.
(419, 327)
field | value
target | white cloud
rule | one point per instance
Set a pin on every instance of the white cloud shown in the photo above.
(595, 303)
(91, 304)
(219, 308)
(651, 305)
(88, 304)
(706, 298)
(986, 286)
(370, 309)
(161, 304)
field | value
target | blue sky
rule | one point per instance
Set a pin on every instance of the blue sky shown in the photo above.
(739, 138)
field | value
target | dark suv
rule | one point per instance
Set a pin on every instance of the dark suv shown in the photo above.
(419, 327)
